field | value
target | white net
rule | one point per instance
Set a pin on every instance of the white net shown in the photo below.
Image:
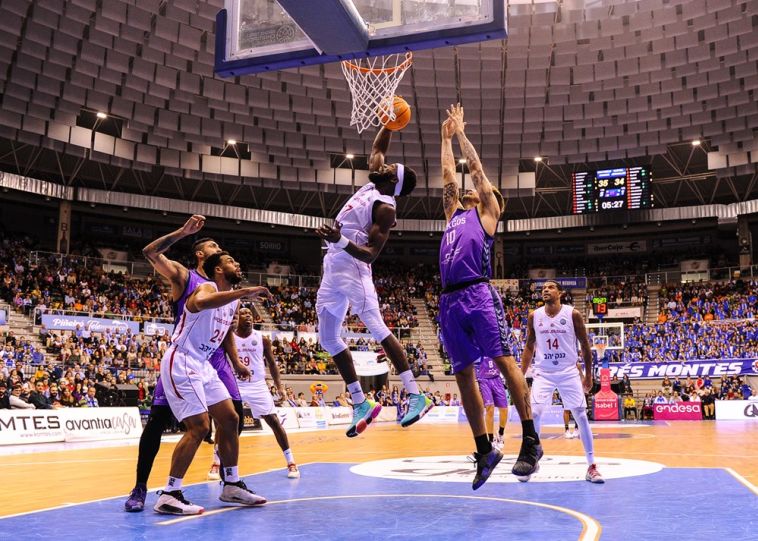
(372, 83)
(599, 344)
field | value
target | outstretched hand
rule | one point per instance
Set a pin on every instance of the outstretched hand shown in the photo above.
(258, 292)
(448, 129)
(329, 233)
(455, 115)
(193, 225)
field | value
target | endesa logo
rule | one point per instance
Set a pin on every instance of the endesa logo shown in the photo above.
(751, 410)
(678, 408)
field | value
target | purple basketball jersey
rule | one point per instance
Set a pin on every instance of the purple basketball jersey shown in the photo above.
(486, 369)
(466, 250)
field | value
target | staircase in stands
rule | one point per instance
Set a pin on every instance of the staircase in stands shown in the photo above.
(426, 334)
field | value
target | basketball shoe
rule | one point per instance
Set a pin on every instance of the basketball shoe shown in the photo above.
(363, 414)
(485, 464)
(214, 474)
(593, 476)
(498, 443)
(174, 503)
(528, 458)
(136, 501)
(292, 471)
(239, 493)
(418, 406)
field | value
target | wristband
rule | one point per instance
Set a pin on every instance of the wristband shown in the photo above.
(342, 243)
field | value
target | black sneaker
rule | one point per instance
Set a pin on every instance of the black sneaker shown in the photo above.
(485, 464)
(528, 457)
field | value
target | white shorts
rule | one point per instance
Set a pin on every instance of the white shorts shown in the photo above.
(257, 395)
(190, 385)
(346, 282)
(568, 383)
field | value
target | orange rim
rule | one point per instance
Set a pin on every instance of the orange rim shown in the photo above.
(407, 62)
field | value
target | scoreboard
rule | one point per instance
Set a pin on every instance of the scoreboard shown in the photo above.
(626, 188)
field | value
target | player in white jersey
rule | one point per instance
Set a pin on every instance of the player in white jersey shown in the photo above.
(252, 348)
(193, 388)
(552, 334)
(358, 236)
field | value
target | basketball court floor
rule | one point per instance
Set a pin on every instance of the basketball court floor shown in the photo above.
(685, 480)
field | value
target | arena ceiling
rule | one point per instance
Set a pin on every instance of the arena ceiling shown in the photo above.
(583, 84)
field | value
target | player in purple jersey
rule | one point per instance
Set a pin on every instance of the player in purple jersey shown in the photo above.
(472, 320)
(494, 396)
(183, 283)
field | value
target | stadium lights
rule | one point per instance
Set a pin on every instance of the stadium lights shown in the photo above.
(101, 115)
(538, 159)
(462, 160)
(349, 156)
(231, 142)
(696, 142)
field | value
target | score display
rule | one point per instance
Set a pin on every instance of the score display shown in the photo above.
(626, 188)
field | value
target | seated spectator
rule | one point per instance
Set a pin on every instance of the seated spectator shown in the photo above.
(38, 398)
(630, 406)
(16, 399)
(89, 400)
(647, 407)
(660, 399)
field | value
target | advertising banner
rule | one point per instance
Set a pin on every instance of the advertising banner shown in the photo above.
(606, 401)
(695, 265)
(55, 322)
(30, 426)
(70, 424)
(681, 411)
(694, 369)
(737, 410)
(627, 312)
(366, 364)
(543, 274)
(340, 416)
(551, 415)
(441, 414)
(628, 247)
(92, 424)
(155, 328)
(312, 417)
(566, 283)
(250, 423)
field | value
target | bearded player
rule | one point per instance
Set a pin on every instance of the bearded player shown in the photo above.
(361, 229)
(472, 319)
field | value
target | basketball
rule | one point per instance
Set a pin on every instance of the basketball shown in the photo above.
(402, 115)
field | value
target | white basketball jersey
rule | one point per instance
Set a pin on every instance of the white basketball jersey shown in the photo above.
(356, 216)
(250, 353)
(555, 347)
(200, 334)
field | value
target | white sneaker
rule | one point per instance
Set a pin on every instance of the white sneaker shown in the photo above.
(293, 472)
(498, 443)
(239, 493)
(568, 435)
(174, 503)
(214, 474)
(593, 476)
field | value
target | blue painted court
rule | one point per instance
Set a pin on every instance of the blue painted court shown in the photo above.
(332, 502)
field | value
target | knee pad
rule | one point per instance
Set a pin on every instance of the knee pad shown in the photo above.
(375, 324)
(329, 333)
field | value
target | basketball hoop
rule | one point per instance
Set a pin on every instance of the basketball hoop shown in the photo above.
(600, 343)
(372, 83)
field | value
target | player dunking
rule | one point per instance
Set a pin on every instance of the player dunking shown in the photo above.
(183, 283)
(552, 333)
(472, 320)
(194, 390)
(356, 240)
(252, 347)
(493, 396)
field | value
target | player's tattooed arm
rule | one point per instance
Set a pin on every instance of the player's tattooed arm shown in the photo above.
(531, 339)
(174, 271)
(450, 198)
(273, 368)
(379, 149)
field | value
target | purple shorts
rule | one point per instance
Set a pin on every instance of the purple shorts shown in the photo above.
(472, 325)
(493, 392)
(225, 374)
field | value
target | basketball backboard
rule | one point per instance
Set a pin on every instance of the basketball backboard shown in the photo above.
(266, 35)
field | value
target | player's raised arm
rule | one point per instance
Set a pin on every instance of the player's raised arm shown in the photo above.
(450, 189)
(584, 342)
(205, 297)
(379, 149)
(172, 270)
(384, 221)
(488, 202)
(528, 354)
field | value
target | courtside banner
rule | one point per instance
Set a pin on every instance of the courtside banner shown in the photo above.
(161, 329)
(340, 415)
(30, 426)
(312, 417)
(713, 368)
(737, 410)
(551, 415)
(56, 322)
(441, 414)
(91, 424)
(680, 411)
